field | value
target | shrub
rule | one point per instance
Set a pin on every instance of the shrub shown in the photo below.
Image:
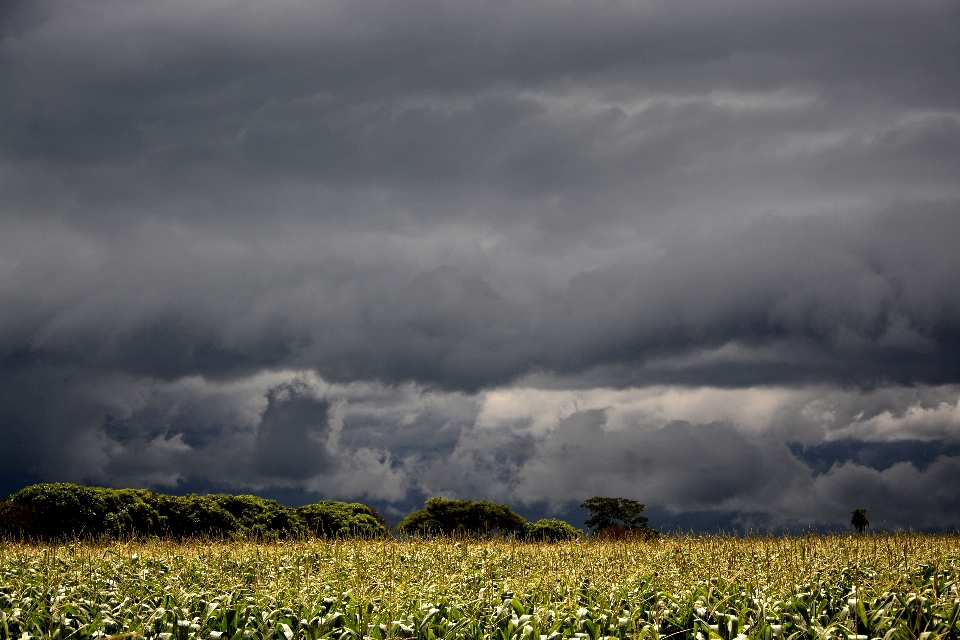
(194, 516)
(330, 518)
(447, 517)
(260, 518)
(130, 513)
(66, 510)
(551, 530)
(16, 520)
(62, 509)
(59, 511)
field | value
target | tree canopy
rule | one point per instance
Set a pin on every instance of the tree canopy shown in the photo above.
(331, 518)
(608, 512)
(858, 518)
(64, 510)
(446, 517)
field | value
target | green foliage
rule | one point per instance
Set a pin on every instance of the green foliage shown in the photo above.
(551, 530)
(333, 519)
(858, 518)
(447, 517)
(261, 518)
(885, 587)
(65, 511)
(608, 512)
(69, 510)
(194, 516)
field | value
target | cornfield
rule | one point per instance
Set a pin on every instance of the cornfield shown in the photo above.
(774, 588)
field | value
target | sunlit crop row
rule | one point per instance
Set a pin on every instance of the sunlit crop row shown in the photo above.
(847, 587)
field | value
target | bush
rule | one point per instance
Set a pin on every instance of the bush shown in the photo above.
(16, 520)
(72, 511)
(194, 516)
(447, 517)
(64, 511)
(551, 530)
(333, 519)
(259, 517)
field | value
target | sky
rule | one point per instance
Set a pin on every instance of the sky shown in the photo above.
(699, 254)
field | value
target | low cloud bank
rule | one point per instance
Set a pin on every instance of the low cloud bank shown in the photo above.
(765, 457)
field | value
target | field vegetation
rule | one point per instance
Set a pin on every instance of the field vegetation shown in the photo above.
(64, 511)
(441, 516)
(849, 587)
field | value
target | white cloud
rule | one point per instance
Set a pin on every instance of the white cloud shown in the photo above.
(752, 409)
(941, 422)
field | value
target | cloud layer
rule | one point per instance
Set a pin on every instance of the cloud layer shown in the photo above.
(368, 250)
(763, 457)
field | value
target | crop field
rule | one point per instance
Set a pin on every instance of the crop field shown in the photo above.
(846, 587)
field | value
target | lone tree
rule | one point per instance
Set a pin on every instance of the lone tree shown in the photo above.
(610, 512)
(858, 518)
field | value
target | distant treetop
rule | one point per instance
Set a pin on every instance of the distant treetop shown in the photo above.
(858, 518)
(607, 512)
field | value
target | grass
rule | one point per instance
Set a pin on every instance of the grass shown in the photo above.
(875, 586)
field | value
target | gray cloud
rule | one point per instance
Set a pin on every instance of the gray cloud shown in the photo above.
(861, 302)
(291, 438)
(438, 198)
(782, 457)
(541, 450)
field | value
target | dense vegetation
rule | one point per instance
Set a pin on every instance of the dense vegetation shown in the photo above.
(894, 587)
(241, 567)
(614, 512)
(69, 512)
(551, 530)
(64, 511)
(441, 516)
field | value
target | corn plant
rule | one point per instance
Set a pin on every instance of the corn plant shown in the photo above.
(883, 587)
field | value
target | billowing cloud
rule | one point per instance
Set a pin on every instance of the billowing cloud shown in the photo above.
(707, 251)
(763, 456)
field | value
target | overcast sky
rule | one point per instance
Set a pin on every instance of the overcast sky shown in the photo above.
(701, 254)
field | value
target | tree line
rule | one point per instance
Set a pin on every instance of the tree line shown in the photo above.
(64, 511)
(58, 511)
(609, 517)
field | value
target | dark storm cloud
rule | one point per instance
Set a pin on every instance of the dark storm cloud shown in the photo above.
(292, 247)
(192, 94)
(292, 434)
(842, 301)
(875, 455)
(869, 301)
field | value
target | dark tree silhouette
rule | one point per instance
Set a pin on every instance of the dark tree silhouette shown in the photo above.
(606, 512)
(858, 518)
